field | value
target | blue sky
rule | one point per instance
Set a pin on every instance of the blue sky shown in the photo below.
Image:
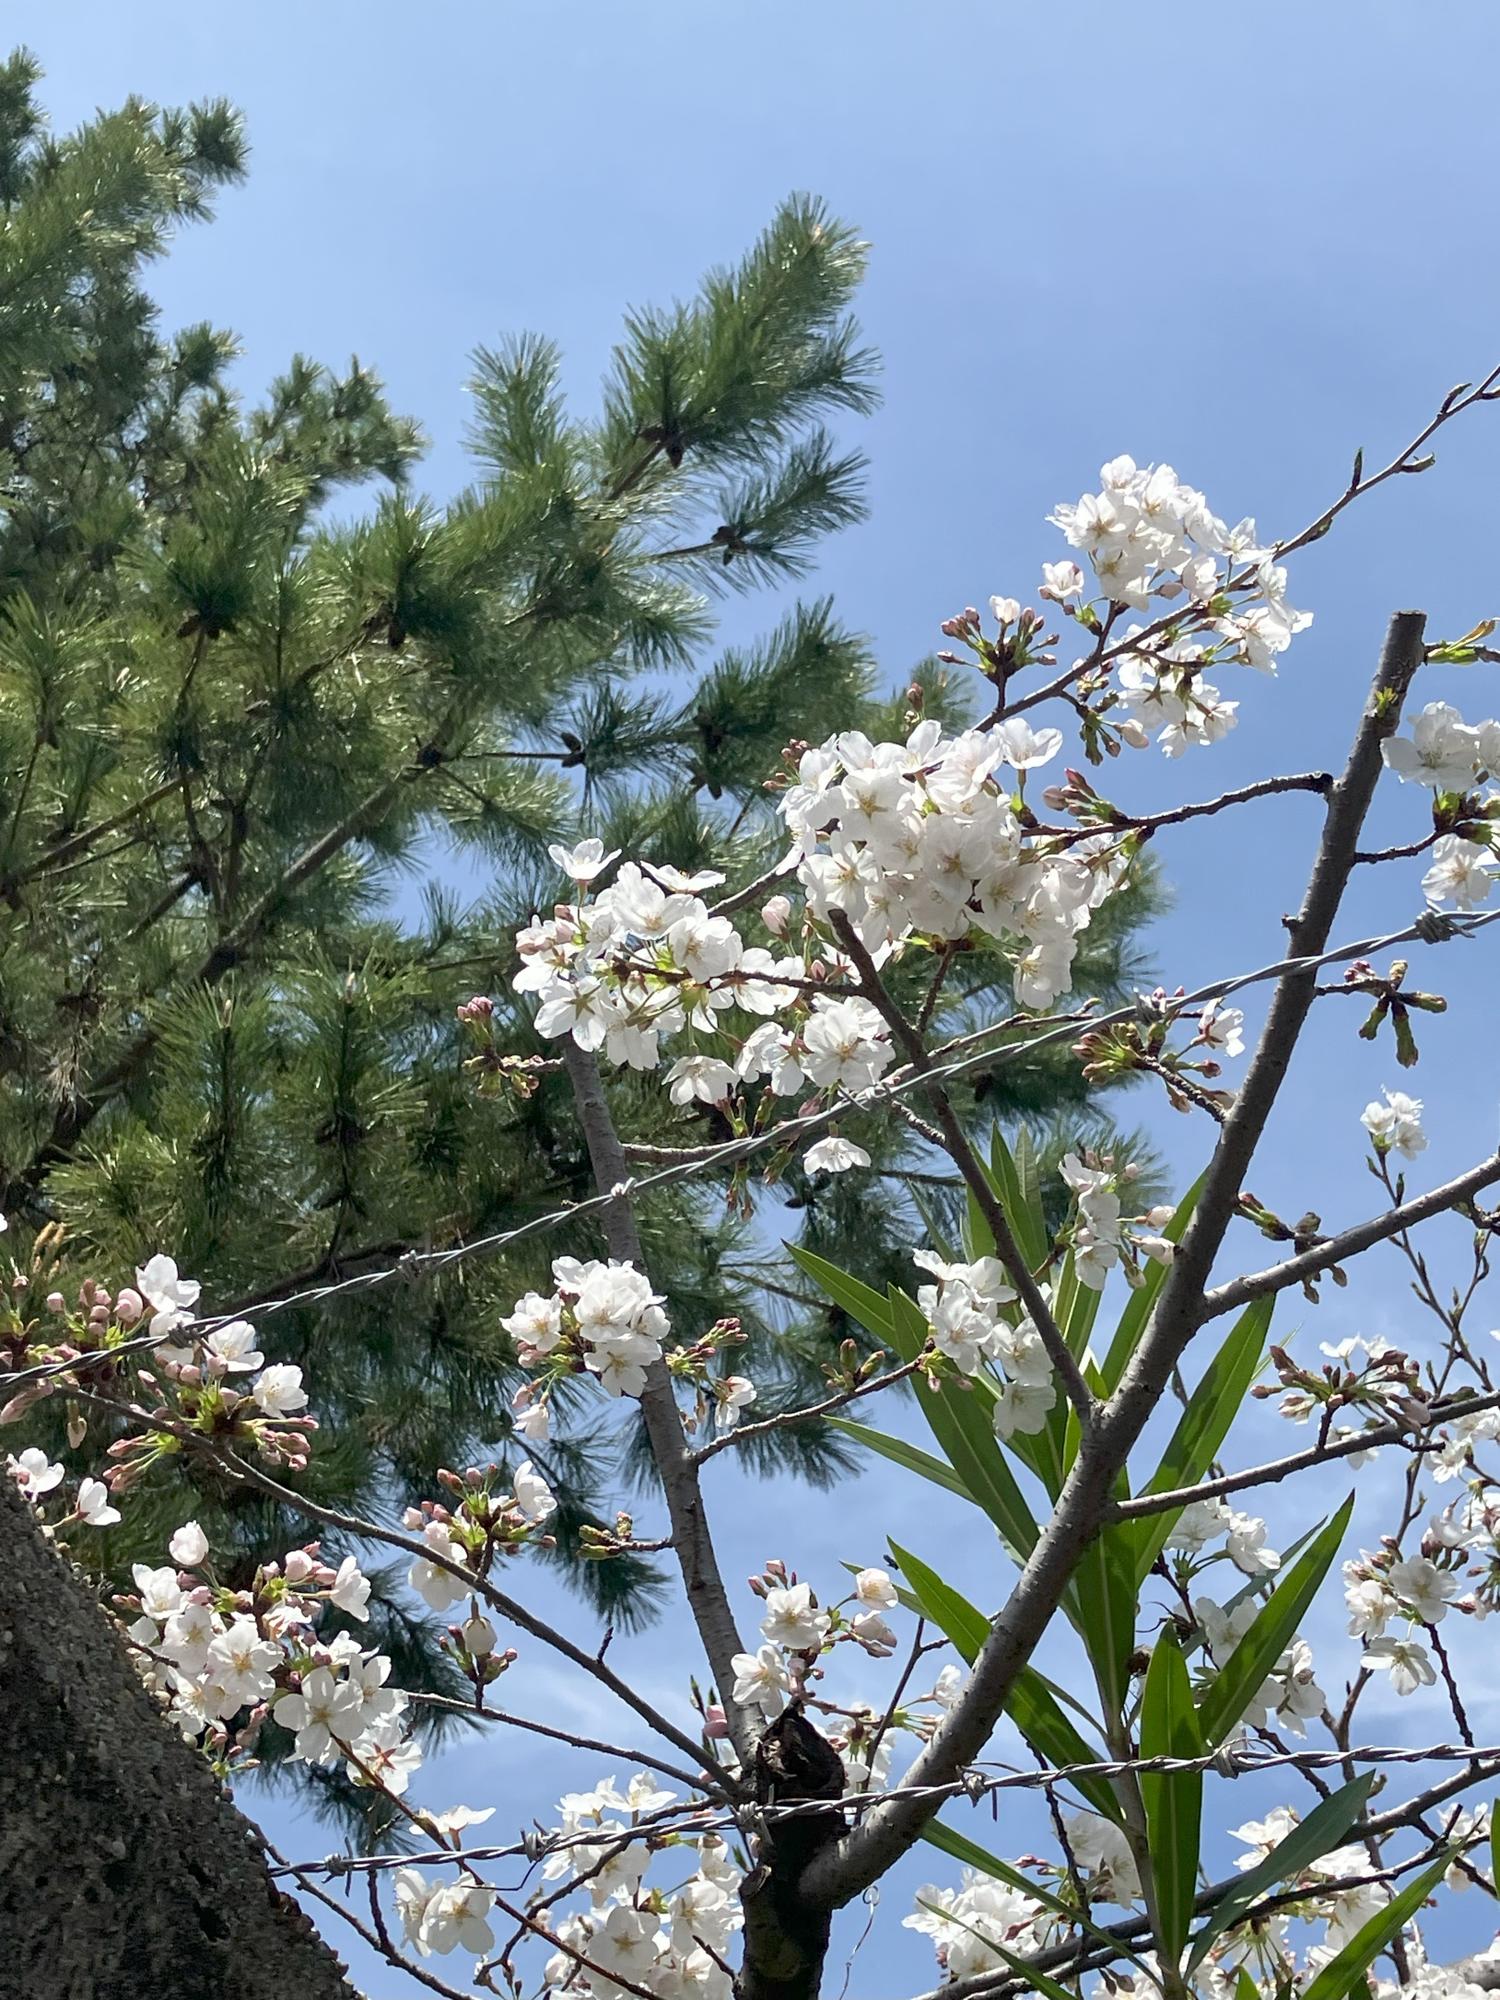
(1245, 241)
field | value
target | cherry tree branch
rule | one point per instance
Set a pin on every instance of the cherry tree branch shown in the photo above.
(1417, 1439)
(871, 1848)
(958, 1148)
(1239, 1292)
(692, 1539)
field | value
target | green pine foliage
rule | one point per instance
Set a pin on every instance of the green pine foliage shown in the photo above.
(233, 717)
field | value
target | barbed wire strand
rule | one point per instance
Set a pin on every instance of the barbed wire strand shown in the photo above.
(1431, 927)
(975, 1784)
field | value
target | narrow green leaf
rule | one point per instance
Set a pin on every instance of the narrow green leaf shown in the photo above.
(1103, 1599)
(1019, 1194)
(937, 1235)
(1076, 1308)
(1324, 1827)
(1037, 1713)
(911, 1456)
(1029, 1185)
(1343, 1972)
(1132, 1321)
(1227, 1696)
(859, 1300)
(1495, 1845)
(1203, 1426)
(1173, 1799)
(952, 1613)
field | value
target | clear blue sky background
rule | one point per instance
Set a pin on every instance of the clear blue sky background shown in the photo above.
(1245, 241)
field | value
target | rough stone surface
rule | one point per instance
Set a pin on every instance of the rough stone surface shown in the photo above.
(124, 1869)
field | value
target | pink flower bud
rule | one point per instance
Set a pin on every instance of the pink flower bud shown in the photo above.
(129, 1306)
(56, 1303)
(776, 914)
(715, 1722)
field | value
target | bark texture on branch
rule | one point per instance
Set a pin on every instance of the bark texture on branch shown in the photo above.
(124, 1869)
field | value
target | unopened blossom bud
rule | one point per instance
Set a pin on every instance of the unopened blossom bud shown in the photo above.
(22, 1401)
(478, 1637)
(78, 1429)
(473, 1476)
(715, 1722)
(128, 1307)
(56, 1303)
(192, 1376)
(450, 1480)
(776, 915)
(480, 1008)
(1133, 733)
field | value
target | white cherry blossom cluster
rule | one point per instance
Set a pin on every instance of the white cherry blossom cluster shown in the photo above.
(37, 1476)
(1450, 756)
(1152, 542)
(600, 1317)
(446, 1916)
(1385, 1590)
(641, 961)
(796, 1629)
(225, 1658)
(975, 1926)
(669, 1939)
(1394, 1123)
(975, 1324)
(923, 838)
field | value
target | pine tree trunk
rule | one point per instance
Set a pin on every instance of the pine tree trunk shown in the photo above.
(123, 1867)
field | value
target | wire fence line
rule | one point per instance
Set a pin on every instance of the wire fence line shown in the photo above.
(976, 1785)
(1430, 927)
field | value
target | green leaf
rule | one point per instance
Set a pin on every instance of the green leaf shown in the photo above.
(1037, 1713)
(1227, 1696)
(1102, 1604)
(1344, 1971)
(1495, 1845)
(1132, 1321)
(952, 1613)
(911, 1456)
(1032, 1233)
(1076, 1308)
(1203, 1426)
(1018, 1190)
(859, 1300)
(1324, 1827)
(1173, 1799)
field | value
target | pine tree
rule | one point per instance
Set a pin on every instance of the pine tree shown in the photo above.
(229, 718)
